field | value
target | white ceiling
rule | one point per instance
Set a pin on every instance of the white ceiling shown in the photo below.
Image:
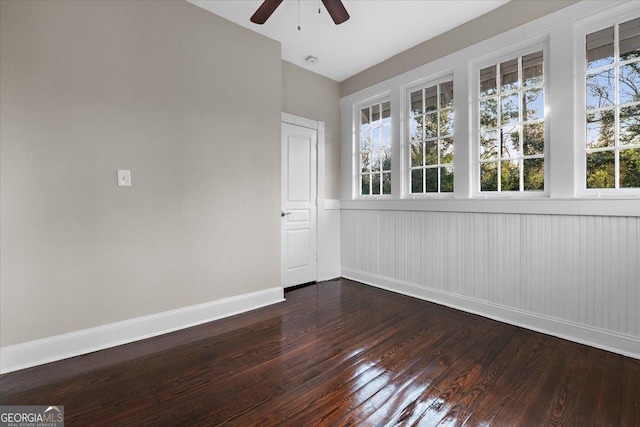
(377, 30)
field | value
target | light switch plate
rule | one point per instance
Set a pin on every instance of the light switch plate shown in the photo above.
(124, 178)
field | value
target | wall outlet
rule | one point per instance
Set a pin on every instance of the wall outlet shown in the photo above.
(124, 178)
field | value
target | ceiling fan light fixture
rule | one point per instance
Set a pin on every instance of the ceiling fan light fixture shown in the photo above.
(336, 10)
(265, 10)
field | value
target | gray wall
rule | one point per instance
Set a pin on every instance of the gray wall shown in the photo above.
(191, 104)
(316, 97)
(506, 17)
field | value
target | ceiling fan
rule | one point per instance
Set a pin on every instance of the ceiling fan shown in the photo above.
(335, 8)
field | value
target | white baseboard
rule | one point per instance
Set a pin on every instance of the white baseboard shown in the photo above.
(328, 274)
(38, 352)
(626, 345)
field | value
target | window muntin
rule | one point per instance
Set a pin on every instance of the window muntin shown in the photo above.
(512, 128)
(431, 121)
(375, 149)
(612, 141)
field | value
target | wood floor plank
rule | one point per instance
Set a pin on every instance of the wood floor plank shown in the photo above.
(461, 377)
(377, 364)
(630, 392)
(492, 372)
(315, 368)
(366, 339)
(550, 396)
(231, 395)
(340, 353)
(300, 303)
(585, 396)
(513, 384)
(351, 358)
(363, 355)
(609, 408)
(435, 370)
(587, 393)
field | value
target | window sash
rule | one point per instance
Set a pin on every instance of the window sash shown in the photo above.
(435, 168)
(374, 149)
(521, 160)
(617, 148)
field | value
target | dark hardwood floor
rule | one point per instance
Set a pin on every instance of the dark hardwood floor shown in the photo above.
(335, 354)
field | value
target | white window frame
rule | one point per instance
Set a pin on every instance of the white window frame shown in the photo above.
(602, 21)
(357, 184)
(489, 61)
(436, 79)
(563, 114)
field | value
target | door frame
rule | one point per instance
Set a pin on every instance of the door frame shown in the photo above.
(318, 126)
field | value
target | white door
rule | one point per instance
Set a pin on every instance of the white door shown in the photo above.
(299, 205)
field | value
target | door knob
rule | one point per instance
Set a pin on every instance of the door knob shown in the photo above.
(284, 213)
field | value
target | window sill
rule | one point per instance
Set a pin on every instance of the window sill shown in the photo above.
(373, 197)
(431, 196)
(611, 206)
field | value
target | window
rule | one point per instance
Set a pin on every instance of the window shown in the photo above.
(547, 111)
(613, 107)
(375, 149)
(512, 130)
(431, 139)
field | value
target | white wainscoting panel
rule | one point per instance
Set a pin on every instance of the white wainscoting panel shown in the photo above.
(329, 240)
(571, 276)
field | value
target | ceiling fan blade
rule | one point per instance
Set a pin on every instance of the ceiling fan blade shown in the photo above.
(337, 11)
(265, 10)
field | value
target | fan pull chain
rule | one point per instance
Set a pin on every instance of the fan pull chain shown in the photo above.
(299, 27)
